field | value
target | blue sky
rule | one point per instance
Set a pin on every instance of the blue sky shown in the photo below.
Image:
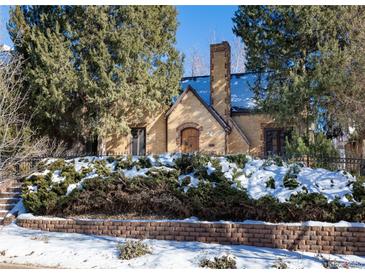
(199, 25)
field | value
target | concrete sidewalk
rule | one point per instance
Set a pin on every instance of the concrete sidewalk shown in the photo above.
(20, 266)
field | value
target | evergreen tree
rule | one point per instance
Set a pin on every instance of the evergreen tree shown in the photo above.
(94, 70)
(299, 51)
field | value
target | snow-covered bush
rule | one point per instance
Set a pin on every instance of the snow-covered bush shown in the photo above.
(133, 249)
(270, 183)
(273, 160)
(180, 186)
(223, 262)
(45, 191)
(280, 264)
(290, 179)
(189, 163)
(239, 159)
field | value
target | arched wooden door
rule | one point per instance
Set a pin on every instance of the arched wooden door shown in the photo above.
(189, 140)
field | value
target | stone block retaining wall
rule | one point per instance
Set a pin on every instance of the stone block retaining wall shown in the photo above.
(6, 183)
(340, 240)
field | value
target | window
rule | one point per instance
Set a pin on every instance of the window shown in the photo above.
(91, 146)
(138, 141)
(275, 141)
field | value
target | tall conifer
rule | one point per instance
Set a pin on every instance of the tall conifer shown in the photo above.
(302, 51)
(94, 70)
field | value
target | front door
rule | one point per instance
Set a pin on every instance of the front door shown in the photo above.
(189, 140)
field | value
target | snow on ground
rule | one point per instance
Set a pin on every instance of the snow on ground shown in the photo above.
(18, 209)
(332, 184)
(72, 250)
(28, 216)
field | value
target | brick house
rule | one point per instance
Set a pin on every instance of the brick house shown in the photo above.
(214, 114)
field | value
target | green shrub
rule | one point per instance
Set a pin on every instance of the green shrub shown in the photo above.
(41, 165)
(216, 176)
(349, 197)
(85, 170)
(316, 207)
(320, 146)
(110, 159)
(239, 159)
(71, 177)
(273, 160)
(294, 169)
(290, 183)
(144, 162)
(236, 174)
(133, 249)
(160, 193)
(270, 183)
(223, 262)
(32, 202)
(189, 163)
(101, 169)
(358, 189)
(280, 264)
(328, 263)
(157, 194)
(290, 178)
(57, 165)
(49, 196)
(124, 163)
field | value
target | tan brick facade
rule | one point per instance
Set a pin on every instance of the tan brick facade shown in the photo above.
(340, 240)
(237, 140)
(253, 126)
(191, 112)
(155, 137)
(219, 130)
(220, 75)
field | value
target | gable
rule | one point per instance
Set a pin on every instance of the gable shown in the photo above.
(193, 103)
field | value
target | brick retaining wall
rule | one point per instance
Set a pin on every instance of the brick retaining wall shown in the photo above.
(340, 240)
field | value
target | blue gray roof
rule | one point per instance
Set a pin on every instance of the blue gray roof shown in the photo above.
(242, 94)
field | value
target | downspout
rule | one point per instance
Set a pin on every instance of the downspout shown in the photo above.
(166, 134)
(225, 142)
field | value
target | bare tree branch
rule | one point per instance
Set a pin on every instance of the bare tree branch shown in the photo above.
(197, 65)
(18, 142)
(238, 56)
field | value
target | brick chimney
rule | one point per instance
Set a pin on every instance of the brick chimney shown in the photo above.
(220, 76)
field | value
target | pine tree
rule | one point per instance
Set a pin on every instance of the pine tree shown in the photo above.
(96, 69)
(300, 52)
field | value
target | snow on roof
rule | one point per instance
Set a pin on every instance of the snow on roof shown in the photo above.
(201, 84)
(5, 48)
(242, 95)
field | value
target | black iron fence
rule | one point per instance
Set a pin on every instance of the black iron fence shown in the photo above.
(355, 166)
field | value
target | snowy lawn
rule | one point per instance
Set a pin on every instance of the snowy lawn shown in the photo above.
(71, 250)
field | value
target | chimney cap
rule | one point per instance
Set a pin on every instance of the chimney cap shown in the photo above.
(223, 43)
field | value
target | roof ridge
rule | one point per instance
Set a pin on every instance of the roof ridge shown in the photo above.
(232, 74)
